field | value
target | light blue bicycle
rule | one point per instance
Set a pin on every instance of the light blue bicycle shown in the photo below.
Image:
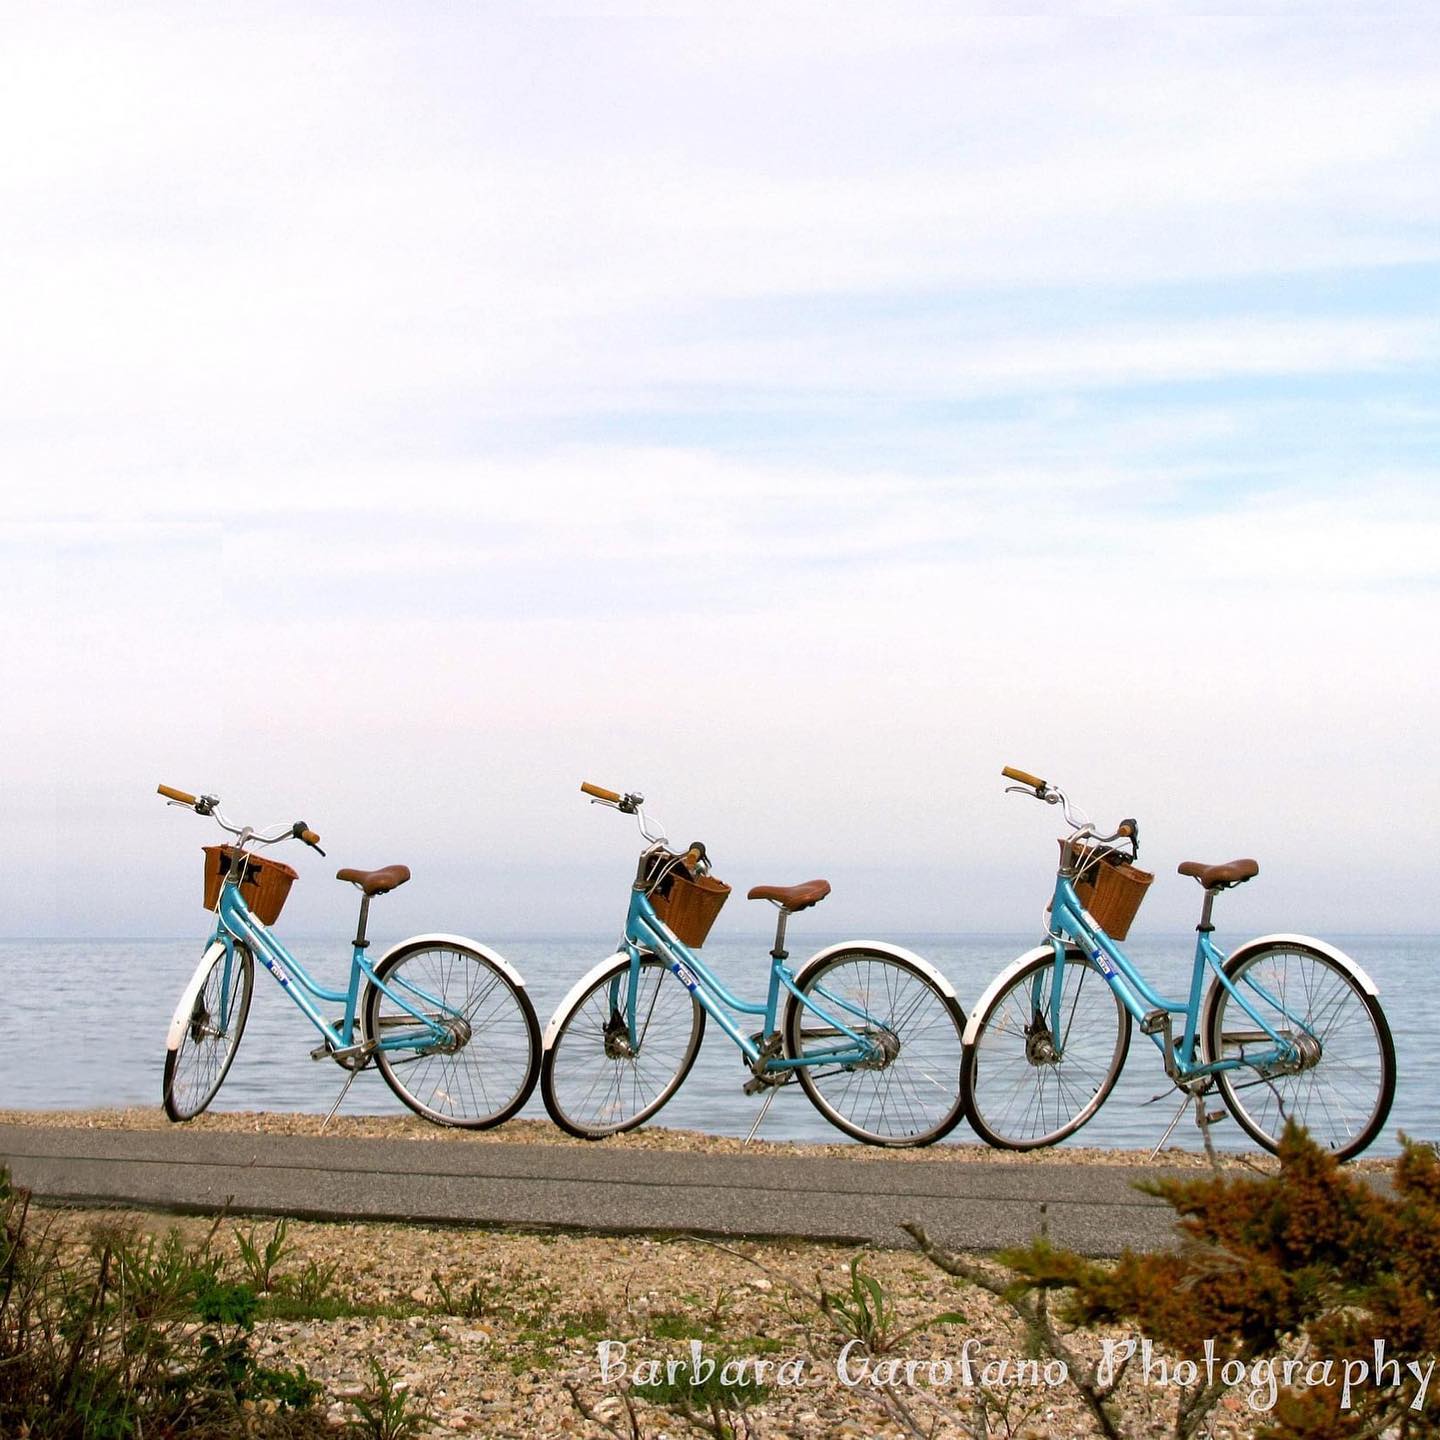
(872, 1032)
(1289, 1028)
(447, 1022)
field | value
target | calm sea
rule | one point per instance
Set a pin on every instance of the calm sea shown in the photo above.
(85, 1025)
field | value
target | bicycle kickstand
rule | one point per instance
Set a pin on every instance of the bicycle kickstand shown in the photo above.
(764, 1110)
(351, 1073)
(1203, 1118)
(1170, 1128)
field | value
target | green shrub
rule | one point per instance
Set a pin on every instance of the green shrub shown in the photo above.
(131, 1336)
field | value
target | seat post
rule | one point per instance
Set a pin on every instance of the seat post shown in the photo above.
(780, 952)
(1205, 927)
(361, 943)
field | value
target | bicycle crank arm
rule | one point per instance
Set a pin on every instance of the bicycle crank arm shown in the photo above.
(348, 1052)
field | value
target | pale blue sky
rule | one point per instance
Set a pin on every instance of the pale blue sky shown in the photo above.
(408, 414)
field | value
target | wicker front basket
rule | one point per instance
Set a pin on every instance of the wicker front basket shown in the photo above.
(1111, 890)
(689, 907)
(263, 887)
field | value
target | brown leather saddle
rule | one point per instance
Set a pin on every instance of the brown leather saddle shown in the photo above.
(1220, 877)
(793, 897)
(376, 882)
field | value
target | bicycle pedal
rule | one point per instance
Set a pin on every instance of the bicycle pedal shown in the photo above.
(1212, 1116)
(1155, 1022)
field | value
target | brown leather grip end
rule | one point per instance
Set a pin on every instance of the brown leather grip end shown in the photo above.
(1033, 781)
(170, 793)
(599, 793)
(309, 837)
(693, 856)
(1127, 830)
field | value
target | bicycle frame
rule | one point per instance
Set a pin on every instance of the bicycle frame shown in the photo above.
(1070, 921)
(234, 921)
(646, 933)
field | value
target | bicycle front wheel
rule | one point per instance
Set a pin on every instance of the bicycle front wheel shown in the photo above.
(196, 1068)
(1029, 1081)
(908, 1091)
(595, 1080)
(1341, 1081)
(482, 1066)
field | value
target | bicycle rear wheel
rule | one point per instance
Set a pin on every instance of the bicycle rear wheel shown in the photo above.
(594, 1081)
(1341, 1086)
(909, 1094)
(1025, 1086)
(196, 1068)
(485, 1066)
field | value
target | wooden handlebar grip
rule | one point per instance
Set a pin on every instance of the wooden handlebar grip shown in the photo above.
(1127, 830)
(309, 837)
(693, 857)
(1011, 773)
(599, 793)
(170, 793)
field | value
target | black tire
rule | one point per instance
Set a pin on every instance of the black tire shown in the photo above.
(1342, 1089)
(1020, 1094)
(910, 1095)
(196, 1069)
(591, 1086)
(488, 1068)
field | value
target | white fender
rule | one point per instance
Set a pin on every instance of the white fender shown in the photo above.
(983, 1004)
(884, 946)
(459, 942)
(572, 998)
(1327, 950)
(181, 1018)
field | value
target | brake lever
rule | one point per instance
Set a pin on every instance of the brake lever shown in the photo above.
(1049, 797)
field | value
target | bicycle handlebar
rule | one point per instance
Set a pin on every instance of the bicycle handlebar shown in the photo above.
(609, 796)
(209, 805)
(1076, 819)
(1025, 778)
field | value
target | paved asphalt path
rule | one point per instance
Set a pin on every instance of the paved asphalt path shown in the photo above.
(973, 1205)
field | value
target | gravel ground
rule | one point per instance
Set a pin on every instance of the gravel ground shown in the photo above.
(497, 1333)
(539, 1132)
(490, 1331)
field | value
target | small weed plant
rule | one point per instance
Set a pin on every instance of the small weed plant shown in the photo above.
(388, 1410)
(260, 1259)
(865, 1313)
(472, 1302)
